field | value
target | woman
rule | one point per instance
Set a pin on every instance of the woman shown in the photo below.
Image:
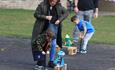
(49, 14)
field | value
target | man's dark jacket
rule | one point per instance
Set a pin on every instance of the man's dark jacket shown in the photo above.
(41, 23)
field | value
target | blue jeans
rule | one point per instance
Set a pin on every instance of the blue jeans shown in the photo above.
(85, 40)
(54, 29)
(85, 15)
(75, 35)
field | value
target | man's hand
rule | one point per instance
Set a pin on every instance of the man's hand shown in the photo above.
(95, 15)
(76, 9)
(49, 17)
(57, 22)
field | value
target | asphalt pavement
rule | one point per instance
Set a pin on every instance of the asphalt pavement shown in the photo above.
(15, 54)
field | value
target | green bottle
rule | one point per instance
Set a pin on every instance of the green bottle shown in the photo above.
(68, 42)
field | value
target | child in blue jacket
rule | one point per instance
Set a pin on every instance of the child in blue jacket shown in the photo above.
(86, 31)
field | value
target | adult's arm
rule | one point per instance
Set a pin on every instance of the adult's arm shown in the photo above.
(76, 6)
(38, 12)
(64, 12)
(75, 3)
(96, 3)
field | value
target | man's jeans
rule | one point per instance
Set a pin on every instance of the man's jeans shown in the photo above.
(54, 29)
(85, 15)
(75, 35)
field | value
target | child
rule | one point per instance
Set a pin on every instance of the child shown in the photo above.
(59, 61)
(43, 41)
(41, 45)
(86, 31)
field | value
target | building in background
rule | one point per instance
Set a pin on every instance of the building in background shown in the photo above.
(107, 5)
(22, 4)
(104, 5)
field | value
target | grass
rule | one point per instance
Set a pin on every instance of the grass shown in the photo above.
(16, 22)
(19, 23)
(105, 30)
(113, 68)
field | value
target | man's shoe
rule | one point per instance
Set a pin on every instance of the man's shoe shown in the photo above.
(51, 64)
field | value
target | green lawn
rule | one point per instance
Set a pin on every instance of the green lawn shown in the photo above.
(113, 68)
(19, 23)
(16, 23)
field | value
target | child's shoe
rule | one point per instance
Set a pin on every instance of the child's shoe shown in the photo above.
(51, 64)
(39, 68)
(83, 51)
(36, 67)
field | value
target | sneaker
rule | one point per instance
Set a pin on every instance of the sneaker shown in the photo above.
(83, 52)
(36, 67)
(51, 64)
(78, 51)
(39, 68)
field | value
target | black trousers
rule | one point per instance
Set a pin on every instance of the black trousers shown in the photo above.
(40, 58)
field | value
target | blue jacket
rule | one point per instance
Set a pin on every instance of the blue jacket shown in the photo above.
(88, 26)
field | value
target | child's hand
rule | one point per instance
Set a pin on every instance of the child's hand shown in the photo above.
(81, 37)
(43, 52)
(58, 49)
(48, 52)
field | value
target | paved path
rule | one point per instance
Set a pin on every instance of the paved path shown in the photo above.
(15, 54)
(105, 13)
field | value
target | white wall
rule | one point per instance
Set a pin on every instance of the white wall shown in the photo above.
(22, 4)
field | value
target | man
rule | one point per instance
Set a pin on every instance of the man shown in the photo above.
(49, 14)
(85, 10)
